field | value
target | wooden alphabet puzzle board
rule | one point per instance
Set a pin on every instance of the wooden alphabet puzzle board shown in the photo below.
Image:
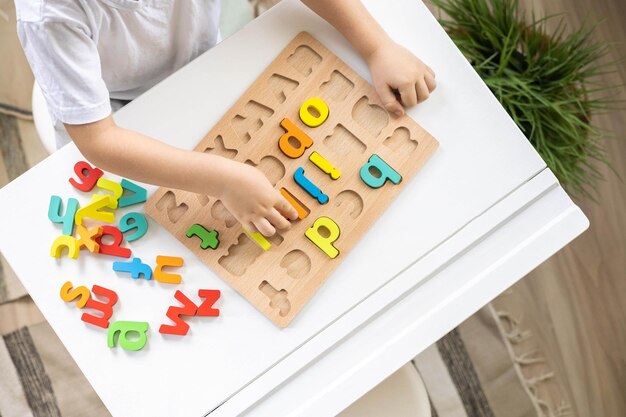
(357, 133)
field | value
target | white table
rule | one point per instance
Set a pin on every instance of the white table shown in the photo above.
(483, 212)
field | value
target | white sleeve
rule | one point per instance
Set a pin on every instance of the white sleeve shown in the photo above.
(66, 65)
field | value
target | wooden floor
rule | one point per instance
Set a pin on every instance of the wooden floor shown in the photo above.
(575, 303)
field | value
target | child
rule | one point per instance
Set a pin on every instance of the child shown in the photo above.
(88, 55)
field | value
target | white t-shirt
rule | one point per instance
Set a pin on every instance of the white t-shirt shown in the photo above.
(86, 52)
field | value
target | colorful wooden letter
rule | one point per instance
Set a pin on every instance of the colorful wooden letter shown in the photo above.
(114, 249)
(94, 210)
(67, 219)
(259, 239)
(105, 308)
(383, 172)
(179, 327)
(65, 241)
(291, 136)
(302, 210)
(165, 261)
(209, 239)
(69, 293)
(309, 187)
(87, 176)
(324, 241)
(139, 194)
(320, 107)
(132, 221)
(210, 298)
(324, 165)
(123, 328)
(135, 267)
(87, 238)
(115, 189)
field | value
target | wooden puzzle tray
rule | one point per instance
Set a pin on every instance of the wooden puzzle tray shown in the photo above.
(340, 175)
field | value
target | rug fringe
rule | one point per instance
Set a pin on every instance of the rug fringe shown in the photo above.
(512, 333)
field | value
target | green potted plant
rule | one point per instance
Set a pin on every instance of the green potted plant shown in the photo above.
(549, 83)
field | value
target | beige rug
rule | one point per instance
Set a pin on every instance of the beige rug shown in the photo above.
(469, 373)
(20, 149)
(39, 378)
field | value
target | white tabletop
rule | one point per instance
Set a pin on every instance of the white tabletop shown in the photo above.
(483, 182)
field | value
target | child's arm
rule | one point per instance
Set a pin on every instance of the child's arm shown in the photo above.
(243, 189)
(394, 69)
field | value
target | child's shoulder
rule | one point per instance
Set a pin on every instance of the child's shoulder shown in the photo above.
(50, 10)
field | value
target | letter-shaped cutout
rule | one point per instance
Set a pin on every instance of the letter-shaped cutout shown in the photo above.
(324, 165)
(81, 294)
(278, 299)
(324, 241)
(210, 239)
(114, 249)
(320, 107)
(67, 219)
(124, 328)
(105, 308)
(309, 187)
(94, 210)
(135, 267)
(259, 239)
(139, 194)
(383, 171)
(168, 204)
(180, 327)
(167, 261)
(87, 176)
(87, 238)
(115, 189)
(132, 221)
(302, 210)
(65, 241)
(210, 298)
(293, 134)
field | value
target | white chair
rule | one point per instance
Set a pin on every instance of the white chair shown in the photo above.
(402, 394)
(43, 122)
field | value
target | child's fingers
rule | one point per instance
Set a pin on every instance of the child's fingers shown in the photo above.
(389, 99)
(249, 226)
(286, 209)
(431, 71)
(430, 82)
(422, 90)
(264, 227)
(408, 94)
(278, 220)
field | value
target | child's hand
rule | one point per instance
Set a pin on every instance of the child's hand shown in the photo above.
(250, 197)
(399, 77)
